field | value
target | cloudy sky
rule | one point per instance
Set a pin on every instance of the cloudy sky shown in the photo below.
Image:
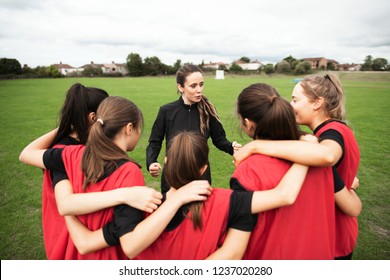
(76, 32)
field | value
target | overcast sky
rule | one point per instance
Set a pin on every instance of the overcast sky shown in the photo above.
(76, 32)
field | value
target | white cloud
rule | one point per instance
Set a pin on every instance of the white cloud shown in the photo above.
(77, 32)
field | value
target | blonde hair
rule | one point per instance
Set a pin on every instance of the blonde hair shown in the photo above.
(329, 88)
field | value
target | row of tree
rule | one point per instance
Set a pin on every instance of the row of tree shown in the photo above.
(152, 66)
(376, 64)
(10, 68)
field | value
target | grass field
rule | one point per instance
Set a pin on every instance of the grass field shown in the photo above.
(30, 108)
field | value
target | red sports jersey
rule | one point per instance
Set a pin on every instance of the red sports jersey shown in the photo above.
(304, 230)
(53, 224)
(185, 243)
(126, 175)
(346, 226)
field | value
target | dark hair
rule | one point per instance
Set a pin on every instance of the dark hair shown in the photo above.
(329, 88)
(79, 102)
(205, 107)
(187, 154)
(273, 115)
(113, 114)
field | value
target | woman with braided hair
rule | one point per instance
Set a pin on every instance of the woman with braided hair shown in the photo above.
(191, 112)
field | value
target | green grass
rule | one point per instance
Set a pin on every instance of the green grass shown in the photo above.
(30, 108)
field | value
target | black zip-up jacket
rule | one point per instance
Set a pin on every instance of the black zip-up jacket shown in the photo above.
(177, 117)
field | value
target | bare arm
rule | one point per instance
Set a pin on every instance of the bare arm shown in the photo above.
(233, 247)
(326, 153)
(147, 231)
(32, 154)
(348, 201)
(69, 203)
(86, 241)
(285, 193)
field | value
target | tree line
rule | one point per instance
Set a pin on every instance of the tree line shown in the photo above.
(152, 66)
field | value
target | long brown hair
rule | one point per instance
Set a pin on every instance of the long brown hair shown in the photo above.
(273, 115)
(205, 107)
(187, 154)
(329, 88)
(113, 114)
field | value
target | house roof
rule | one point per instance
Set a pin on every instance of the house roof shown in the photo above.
(313, 58)
(62, 66)
(93, 65)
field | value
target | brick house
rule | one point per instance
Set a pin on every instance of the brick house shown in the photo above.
(321, 62)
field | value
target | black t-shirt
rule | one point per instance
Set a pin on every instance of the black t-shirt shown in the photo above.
(52, 159)
(332, 134)
(66, 141)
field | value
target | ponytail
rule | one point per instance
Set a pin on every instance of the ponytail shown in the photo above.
(273, 115)
(187, 154)
(113, 114)
(329, 88)
(79, 102)
(206, 108)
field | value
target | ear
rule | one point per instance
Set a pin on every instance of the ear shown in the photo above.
(180, 88)
(318, 103)
(91, 118)
(249, 124)
(129, 128)
(203, 169)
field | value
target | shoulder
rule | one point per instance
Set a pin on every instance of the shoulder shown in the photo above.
(332, 124)
(170, 105)
(74, 149)
(258, 160)
(67, 141)
(219, 198)
(132, 172)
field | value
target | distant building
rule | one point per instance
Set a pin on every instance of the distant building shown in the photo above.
(92, 65)
(321, 62)
(66, 69)
(107, 68)
(113, 68)
(349, 67)
(215, 65)
(251, 66)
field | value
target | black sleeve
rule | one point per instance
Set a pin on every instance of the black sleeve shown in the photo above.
(218, 136)
(338, 181)
(235, 185)
(156, 138)
(52, 159)
(109, 234)
(240, 216)
(126, 218)
(334, 135)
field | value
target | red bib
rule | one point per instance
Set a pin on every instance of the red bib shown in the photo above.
(346, 226)
(304, 230)
(185, 243)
